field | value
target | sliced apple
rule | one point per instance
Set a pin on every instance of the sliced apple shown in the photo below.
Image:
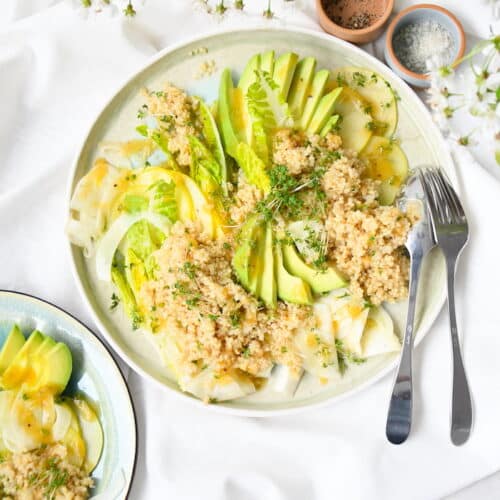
(73, 439)
(354, 127)
(376, 91)
(91, 432)
(386, 162)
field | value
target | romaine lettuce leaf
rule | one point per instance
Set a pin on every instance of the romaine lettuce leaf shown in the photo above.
(133, 203)
(212, 138)
(266, 105)
(205, 170)
(163, 199)
(108, 244)
(253, 167)
(126, 294)
(161, 139)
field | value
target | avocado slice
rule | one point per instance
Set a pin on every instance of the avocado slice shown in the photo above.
(248, 75)
(20, 371)
(332, 121)
(314, 95)
(56, 368)
(300, 86)
(257, 256)
(13, 344)
(41, 364)
(284, 69)
(319, 280)
(47, 344)
(267, 62)
(267, 284)
(246, 243)
(229, 135)
(290, 288)
(323, 112)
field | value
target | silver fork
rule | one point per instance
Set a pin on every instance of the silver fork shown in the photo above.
(451, 233)
(419, 242)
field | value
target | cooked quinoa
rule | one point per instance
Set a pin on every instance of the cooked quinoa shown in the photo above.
(43, 473)
(174, 111)
(219, 324)
(194, 296)
(365, 240)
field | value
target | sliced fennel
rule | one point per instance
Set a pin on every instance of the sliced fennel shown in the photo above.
(378, 336)
(108, 244)
(207, 385)
(284, 381)
(92, 203)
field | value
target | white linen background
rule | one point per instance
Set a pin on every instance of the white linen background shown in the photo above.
(56, 72)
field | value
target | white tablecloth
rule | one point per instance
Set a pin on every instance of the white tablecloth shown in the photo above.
(56, 71)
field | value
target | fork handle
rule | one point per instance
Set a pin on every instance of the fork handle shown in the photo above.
(400, 408)
(461, 406)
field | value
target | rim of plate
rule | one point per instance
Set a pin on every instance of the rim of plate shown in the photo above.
(220, 407)
(106, 351)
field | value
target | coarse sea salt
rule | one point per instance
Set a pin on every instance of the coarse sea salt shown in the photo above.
(424, 45)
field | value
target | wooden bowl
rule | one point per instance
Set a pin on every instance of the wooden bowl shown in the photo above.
(359, 36)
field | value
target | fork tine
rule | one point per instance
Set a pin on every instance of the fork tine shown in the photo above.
(443, 201)
(428, 192)
(450, 198)
(455, 201)
(437, 196)
(429, 198)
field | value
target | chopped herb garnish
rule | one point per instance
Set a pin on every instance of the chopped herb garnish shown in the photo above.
(359, 79)
(115, 300)
(235, 318)
(345, 357)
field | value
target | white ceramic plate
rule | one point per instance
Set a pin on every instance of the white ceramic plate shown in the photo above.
(420, 140)
(95, 374)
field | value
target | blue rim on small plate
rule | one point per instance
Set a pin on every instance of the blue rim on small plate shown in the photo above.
(96, 374)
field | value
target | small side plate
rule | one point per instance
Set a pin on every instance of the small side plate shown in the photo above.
(95, 374)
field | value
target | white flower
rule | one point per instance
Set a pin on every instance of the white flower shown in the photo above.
(437, 98)
(109, 8)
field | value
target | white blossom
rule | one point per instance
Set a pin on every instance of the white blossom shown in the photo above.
(467, 99)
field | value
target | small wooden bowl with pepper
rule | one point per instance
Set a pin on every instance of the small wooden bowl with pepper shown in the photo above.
(357, 21)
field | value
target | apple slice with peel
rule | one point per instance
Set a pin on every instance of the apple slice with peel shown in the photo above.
(378, 94)
(91, 432)
(387, 163)
(354, 127)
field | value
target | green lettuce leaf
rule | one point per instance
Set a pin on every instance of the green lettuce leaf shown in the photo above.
(127, 296)
(161, 139)
(253, 167)
(212, 138)
(205, 170)
(163, 200)
(266, 105)
(133, 203)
